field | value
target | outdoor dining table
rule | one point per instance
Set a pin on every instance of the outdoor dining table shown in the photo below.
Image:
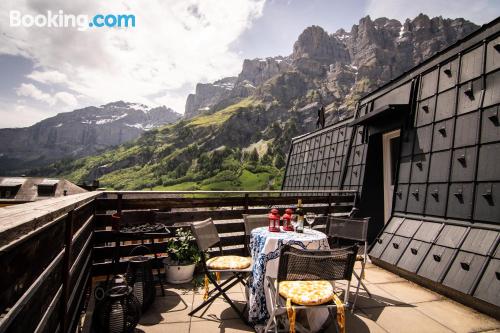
(265, 249)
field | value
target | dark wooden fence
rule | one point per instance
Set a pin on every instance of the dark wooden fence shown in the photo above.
(45, 256)
(51, 249)
(179, 209)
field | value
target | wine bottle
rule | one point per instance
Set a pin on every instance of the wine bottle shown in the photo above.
(300, 217)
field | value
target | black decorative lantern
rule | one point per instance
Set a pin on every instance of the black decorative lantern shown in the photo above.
(140, 277)
(118, 312)
(102, 288)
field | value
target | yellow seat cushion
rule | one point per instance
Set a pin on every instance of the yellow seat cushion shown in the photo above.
(307, 292)
(229, 262)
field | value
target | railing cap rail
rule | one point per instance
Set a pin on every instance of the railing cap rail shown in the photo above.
(19, 220)
(225, 192)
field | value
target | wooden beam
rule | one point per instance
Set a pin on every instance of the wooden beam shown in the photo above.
(68, 244)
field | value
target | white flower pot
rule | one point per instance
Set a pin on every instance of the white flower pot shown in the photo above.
(178, 274)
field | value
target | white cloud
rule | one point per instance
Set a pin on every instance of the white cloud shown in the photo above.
(175, 44)
(30, 90)
(477, 11)
(48, 76)
(21, 114)
(66, 98)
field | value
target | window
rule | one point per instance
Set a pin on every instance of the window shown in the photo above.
(8, 192)
(46, 190)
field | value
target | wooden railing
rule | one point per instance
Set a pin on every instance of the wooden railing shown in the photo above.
(50, 249)
(178, 209)
(45, 260)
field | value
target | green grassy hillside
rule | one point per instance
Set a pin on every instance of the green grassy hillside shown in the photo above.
(242, 146)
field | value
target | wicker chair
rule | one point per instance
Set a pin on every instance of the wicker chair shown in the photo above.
(353, 229)
(251, 222)
(207, 237)
(323, 266)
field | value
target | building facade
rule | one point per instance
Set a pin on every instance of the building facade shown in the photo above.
(17, 190)
(423, 152)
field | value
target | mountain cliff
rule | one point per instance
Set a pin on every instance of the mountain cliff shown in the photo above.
(336, 68)
(78, 133)
(236, 131)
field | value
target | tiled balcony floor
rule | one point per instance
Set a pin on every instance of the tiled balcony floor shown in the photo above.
(397, 306)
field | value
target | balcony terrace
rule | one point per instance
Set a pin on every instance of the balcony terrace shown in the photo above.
(53, 252)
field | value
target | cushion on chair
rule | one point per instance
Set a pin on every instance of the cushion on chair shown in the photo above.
(307, 292)
(229, 262)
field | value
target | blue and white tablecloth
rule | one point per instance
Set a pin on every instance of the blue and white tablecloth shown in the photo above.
(265, 247)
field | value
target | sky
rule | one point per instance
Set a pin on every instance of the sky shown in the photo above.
(174, 45)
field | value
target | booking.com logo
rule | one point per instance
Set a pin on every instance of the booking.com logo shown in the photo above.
(61, 20)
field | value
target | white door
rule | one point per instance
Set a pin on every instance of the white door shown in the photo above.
(390, 150)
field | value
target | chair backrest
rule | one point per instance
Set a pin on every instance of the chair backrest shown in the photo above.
(348, 228)
(254, 221)
(206, 234)
(297, 264)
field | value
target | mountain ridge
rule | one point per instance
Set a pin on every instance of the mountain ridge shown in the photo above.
(77, 133)
(239, 136)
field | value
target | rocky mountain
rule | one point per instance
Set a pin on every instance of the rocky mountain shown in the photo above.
(334, 69)
(236, 131)
(78, 133)
(253, 73)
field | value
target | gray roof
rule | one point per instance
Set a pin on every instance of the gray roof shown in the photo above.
(49, 182)
(28, 188)
(10, 182)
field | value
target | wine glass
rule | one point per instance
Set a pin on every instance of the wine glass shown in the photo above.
(294, 221)
(310, 217)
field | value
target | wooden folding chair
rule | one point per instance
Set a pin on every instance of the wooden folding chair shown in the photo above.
(251, 222)
(207, 237)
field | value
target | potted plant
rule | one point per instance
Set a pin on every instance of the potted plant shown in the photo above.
(183, 255)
